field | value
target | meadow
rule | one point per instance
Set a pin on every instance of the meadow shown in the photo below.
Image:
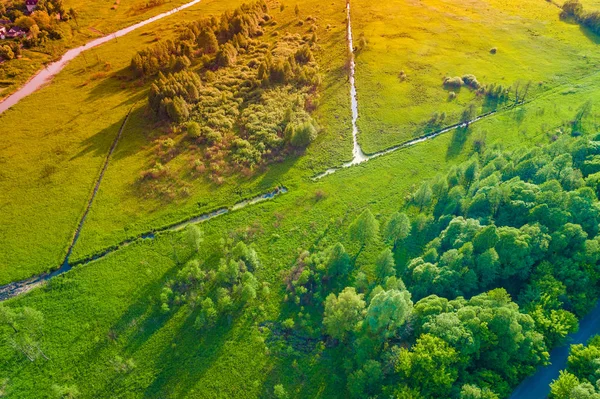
(409, 48)
(51, 158)
(108, 309)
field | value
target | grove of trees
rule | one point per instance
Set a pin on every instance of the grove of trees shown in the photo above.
(483, 272)
(241, 101)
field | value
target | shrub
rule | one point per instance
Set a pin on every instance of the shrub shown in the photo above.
(451, 96)
(303, 134)
(455, 82)
(493, 50)
(6, 53)
(193, 129)
(471, 81)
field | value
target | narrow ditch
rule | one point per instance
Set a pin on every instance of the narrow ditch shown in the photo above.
(16, 288)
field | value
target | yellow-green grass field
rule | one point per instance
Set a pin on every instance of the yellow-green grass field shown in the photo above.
(57, 138)
(432, 39)
(94, 19)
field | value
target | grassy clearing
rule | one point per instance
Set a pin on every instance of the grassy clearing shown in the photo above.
(437, 38)
(94, 19)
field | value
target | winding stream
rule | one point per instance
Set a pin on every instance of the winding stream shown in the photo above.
(20, 287)
(358, 155)
(43, 76)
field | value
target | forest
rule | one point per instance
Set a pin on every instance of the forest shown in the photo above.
(580, 379)
(488, 268)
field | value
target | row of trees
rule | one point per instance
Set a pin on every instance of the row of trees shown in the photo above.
(216, 40)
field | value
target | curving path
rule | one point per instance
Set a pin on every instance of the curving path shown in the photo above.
(43, 76)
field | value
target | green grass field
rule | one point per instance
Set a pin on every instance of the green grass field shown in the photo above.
(90, 104)
(52, 158)
(433, 39)
(109, 307)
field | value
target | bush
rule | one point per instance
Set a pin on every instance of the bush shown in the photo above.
(471, 81)
(6, 53)
(302, 134)
(455, 82)
(193, 129)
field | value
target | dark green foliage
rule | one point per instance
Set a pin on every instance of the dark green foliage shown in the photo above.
(574, 9)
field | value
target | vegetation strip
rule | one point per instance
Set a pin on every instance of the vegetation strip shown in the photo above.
(20, 287)
(52, 69)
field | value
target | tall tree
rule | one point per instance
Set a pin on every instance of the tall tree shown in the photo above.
(343, 313)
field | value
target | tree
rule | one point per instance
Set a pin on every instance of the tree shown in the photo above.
(195, 237)
(25, 22)
(65, 391)
(338, 261)
(302, 134)
(474, 392)
(397, 228)
(208, 314)
(431, 365)
(297, 11)
(366, 381)
(364, 228)
(423, 196)
(25, 325)
(74, 14)
(6, 53)
(207, 41)
(343, 313)
(385, 265)
(280, 392)
(388, 311)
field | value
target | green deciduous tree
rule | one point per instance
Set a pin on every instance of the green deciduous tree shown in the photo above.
(343, 313)
(364, 229)
(397, 228)
(388, 311)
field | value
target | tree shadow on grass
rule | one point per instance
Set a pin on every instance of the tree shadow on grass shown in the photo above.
(99, 144)
(119, 82)
(457, 143)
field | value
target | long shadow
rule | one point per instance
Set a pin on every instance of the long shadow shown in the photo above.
(96, 144)
(457, 143)
(181, 371)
